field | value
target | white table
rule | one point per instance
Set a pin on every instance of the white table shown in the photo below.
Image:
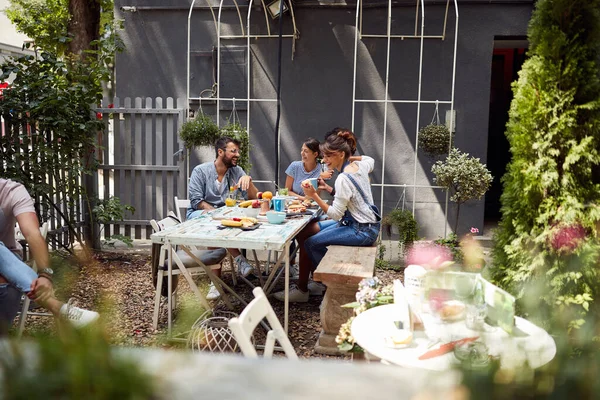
(204, 231)
(371, 327)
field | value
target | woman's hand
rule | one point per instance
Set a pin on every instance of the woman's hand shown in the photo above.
(326, 174)
(309, 190)
(324, 186)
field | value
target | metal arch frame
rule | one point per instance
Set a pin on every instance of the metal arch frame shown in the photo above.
(418, 101)
(245, 35)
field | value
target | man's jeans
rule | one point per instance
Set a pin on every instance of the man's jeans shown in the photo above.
(15, 271)
(333, 233)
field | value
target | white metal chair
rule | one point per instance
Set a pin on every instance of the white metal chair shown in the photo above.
(179, 204)
(184, 265)
(25, 310)
(243, 327)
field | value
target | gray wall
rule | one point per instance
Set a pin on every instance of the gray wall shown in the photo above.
(317, 84)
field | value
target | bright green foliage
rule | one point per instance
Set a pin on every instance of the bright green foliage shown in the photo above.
(45, 21)
(109, 210)
(547, 246)
(465, 176)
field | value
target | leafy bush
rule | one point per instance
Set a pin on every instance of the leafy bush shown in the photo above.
(453, 244)
(237, 131)
(465, 176)
(548, 236)
(434, 139)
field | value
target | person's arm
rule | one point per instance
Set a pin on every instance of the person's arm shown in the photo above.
(289, 184)
(29, 224)
(197, 191)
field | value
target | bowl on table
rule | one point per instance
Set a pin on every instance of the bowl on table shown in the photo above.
(276, 217)
(251, 212)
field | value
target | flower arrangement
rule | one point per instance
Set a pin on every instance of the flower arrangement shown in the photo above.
(371, 293)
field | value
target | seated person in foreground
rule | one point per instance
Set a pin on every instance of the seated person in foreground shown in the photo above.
(352, 220)
(209, 187)
(17, 206)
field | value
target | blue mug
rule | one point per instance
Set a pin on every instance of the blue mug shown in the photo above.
(278, 204)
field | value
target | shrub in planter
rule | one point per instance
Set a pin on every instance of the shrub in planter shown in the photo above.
(239, 132)
(434, 139)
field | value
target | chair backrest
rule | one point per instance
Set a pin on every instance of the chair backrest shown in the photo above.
(243, 327)
(179, 204)
(19, 236)
(164, 223)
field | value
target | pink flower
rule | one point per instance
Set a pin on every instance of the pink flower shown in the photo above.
(474, 230)
(429, 256)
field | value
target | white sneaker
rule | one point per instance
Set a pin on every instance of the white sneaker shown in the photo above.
(213, 293)
(244, 269)
(296, 295)
(294, 271)
(78, 317)
(316, 288)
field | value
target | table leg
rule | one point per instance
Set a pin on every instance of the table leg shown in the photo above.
(286, 303)
(270, 284)
(260, 279)
(169, 286)
(219, 284)
(191, 282)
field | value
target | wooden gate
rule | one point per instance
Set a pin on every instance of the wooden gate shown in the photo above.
(141, 160)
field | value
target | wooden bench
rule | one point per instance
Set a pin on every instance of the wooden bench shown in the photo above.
(342, 268)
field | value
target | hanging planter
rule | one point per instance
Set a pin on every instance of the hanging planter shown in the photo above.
(236, 131)
(434, 139)
(200, 131)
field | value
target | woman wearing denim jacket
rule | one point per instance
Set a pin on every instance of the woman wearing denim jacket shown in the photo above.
(352, 221)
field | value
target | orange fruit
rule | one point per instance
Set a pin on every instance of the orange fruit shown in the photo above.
(267, 195)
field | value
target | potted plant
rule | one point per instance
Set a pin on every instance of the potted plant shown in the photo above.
(200, 131)
(239, 132)
(434, 139)
(465, 177)
(406, 225)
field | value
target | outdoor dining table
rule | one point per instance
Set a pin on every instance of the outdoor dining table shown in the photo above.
(207, 231)
(530, 343)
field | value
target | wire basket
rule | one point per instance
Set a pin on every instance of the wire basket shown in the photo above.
(210, 332)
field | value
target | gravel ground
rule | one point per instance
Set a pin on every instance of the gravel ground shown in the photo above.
(119, 285)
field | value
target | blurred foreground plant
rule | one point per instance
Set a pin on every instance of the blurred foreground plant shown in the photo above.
(79, 365)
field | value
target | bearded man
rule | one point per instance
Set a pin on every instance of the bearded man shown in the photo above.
(209, 187)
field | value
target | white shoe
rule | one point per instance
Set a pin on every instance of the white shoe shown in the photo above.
(316, 288)
(244, 269)
(294, 271)
(213, 293)
(78, 317)
(295, 295)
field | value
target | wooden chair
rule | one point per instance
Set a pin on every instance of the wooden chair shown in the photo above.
(243, 327)
(211, 258)
(179, 204)
(25, 310)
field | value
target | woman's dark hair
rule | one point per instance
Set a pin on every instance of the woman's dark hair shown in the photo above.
(335, 131)
(223, 141)
(343, 140)
(312, 145)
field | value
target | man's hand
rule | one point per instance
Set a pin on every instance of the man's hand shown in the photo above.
(244, 182)
(41, 289)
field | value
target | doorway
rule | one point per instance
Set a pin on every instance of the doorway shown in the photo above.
(507, 59)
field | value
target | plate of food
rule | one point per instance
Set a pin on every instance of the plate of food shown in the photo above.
(451, 310)
(243, 223)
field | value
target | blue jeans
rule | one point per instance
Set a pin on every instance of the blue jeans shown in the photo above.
(15, 271)
(335, 233)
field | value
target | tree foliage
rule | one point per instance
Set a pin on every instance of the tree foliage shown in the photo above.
(547, 239)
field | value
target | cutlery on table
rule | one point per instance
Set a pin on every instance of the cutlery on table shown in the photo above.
(446, 348)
